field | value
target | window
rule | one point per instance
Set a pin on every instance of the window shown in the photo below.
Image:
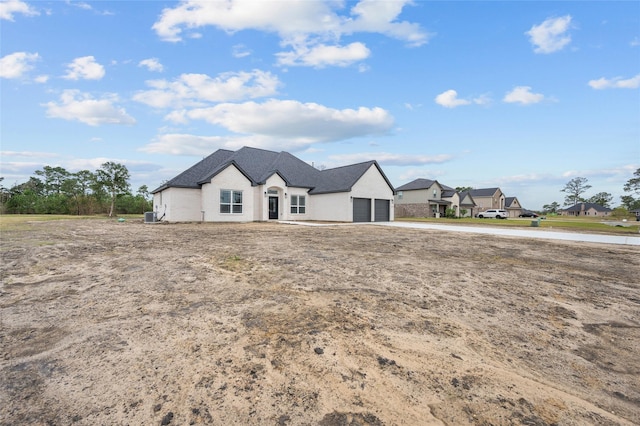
(230, 201)
(399, 195)
(298, 204)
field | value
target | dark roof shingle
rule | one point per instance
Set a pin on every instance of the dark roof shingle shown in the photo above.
(579, 207)
(483, 192)
(259, 164)
(416, 184)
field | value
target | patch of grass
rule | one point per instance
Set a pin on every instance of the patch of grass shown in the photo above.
(23, 222)
(233, 263)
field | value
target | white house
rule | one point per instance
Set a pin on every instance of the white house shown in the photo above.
(258, 185)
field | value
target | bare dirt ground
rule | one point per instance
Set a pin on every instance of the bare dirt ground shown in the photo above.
(106, 323)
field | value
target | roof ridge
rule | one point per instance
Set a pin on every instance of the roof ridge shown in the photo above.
(349, 165)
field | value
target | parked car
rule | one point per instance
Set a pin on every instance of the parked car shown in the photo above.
(494, 213)
(527, 213)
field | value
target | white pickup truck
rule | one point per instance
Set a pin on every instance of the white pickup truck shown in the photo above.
(494, 213)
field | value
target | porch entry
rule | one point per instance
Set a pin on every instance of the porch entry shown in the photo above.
(273, 207)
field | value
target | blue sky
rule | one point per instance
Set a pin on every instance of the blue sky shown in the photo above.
(520, 95)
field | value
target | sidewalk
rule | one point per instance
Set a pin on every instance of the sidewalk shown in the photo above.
(523, 233)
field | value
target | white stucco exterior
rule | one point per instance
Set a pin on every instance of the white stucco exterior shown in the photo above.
(245, 200)
(271, 200)
(332, 207)
(176, 204)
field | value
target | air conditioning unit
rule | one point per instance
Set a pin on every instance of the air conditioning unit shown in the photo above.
(150, 217)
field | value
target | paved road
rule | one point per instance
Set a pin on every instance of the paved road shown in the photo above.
(526, 233)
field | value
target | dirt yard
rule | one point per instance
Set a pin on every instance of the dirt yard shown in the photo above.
(107, 323)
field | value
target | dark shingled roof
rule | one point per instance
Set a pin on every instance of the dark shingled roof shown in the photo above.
(259, 164)
(483, 192)
(508, 201)
(190, 177)
(341, 179)
(587, 206)
(416, 184)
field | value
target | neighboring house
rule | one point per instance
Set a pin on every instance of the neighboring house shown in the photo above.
(467, 204)
(586, 209)
(429, 198)
(258, 185)
(512, 206)
(636, 212)
(488, 198)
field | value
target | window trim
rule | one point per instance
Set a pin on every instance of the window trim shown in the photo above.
(232, 205)
(296, 207)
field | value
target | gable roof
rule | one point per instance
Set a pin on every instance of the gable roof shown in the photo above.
(342, 179)
(586, 206)
(508, 201)
(416, 184)
(448, 193)
(257, 165)
(190, 177)
(464, 195)
(483, 192)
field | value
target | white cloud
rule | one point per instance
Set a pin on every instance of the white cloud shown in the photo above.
(15, 65)
(616, 83)
(27, 154)
(10, 7)
(80, 5)
(551, 35)
(82, 107)
(380, 17)
(310, 27)
(41, 79)
(278, 125)
(84, 68)
(86, 6)
(152, 64)
(449, 99)
(391, 159)
(97, 162)
(187, 144)
(322, 55)
(304, 122)
(622, 171)
(197, 89)
(240, 51)
(522, 95)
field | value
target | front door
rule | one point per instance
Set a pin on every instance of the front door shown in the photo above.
(273, 207)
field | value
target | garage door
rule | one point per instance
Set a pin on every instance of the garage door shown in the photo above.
(382, 211)
(361, 210)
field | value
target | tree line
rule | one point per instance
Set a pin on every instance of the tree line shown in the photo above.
(576, 187)
(54, 190)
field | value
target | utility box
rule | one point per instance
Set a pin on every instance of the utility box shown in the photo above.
(150, 217)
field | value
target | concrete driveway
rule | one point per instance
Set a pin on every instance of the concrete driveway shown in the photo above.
(525, 233)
